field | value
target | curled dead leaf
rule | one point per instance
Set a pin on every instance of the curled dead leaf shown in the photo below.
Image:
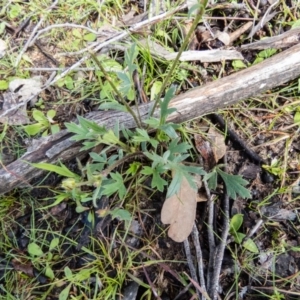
(217, 143)
(212, 148)
(204, 148)
(223, 37)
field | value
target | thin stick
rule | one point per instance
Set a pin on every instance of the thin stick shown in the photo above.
(190, 262)
(254, 229)
(151, 284)
(197, 286)
(211, 238)
(195, 235)
(186, 288)
(32, 36)
(272, 289)
(56, 69)
(262, 22)
(62, 26)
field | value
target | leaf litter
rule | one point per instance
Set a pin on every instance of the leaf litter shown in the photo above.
(14, 108)
(179, 210)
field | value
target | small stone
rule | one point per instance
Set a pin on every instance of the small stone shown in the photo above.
(267, 177)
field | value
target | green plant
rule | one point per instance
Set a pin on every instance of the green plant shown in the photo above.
(3, 85)
(277, 295)
(238, 65)
(297, 116)
(275, 167)
(41, 257)
(235, 224)
(235, 184)
(45, 123)
(101, 174)
(140, 143)
(161, 156)
(3, 133)
(262, 55)
(67, 81)
(71, 185)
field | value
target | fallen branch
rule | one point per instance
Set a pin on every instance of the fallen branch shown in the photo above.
(269, 74)
(284, 40)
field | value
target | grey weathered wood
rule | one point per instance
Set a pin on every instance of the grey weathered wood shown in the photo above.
(284, 40)
(194, 103)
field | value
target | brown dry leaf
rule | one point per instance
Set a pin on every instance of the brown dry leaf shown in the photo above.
(57, 209)
(217, 143)
(180, 212)
(26, 268)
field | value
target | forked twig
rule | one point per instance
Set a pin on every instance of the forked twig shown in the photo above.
(220, 251)
(151, 284)
(32, 36)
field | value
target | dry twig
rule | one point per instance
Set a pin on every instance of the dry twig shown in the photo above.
(219, 251)
(190, 262)
(211, 238)
(32, 36)
(196, 240)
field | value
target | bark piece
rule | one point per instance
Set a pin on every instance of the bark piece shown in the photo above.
(284, 40)
(207, 55)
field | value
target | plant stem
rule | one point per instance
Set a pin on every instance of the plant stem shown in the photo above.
(183, 46)
(105, 172)
(121, 99)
